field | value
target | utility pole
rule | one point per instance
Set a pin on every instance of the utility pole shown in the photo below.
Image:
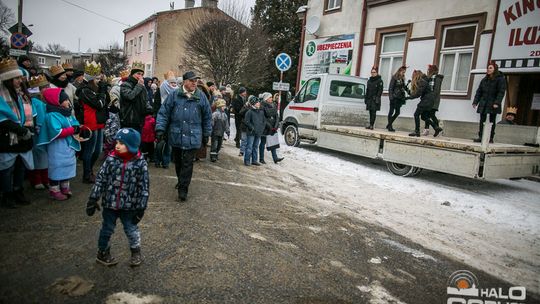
(79, 46)
(19, 24)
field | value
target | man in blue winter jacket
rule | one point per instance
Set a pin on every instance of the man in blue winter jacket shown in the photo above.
(186, 117)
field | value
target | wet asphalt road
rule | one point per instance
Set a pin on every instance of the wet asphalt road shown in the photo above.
(238, 239)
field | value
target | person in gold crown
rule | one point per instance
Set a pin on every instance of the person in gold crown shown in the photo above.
(16, 134)
(93, 101)
(510, 117)
(59, 79)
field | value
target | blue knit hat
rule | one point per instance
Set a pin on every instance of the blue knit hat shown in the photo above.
(129, 137)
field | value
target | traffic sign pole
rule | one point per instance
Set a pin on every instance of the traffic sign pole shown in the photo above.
(279, 96)
(283, 63)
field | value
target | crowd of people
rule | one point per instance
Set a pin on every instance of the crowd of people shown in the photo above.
(50, 119)
(427, 87)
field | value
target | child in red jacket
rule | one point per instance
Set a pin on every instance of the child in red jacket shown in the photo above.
(148, 138)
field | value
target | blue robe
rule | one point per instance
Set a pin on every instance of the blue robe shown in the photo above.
(62, 161)
(41, 160)
(8, 159)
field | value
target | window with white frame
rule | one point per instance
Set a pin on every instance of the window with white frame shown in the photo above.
(57, 61)
(126, 45)
(130, 47)
(333, 4)
(41, 60)
(391, 57)
(456, 56)
(148, 70)
(150, 40)
(140, 44)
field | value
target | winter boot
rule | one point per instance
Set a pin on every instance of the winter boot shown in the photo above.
(105, 258)
(7, 201)
(65, 189)
(415, 133)
(56, 194)
(182, 194)
(213, 156)
(19, 197)
(277, 160)
(390, 128)
(136, 257)
(437, 132)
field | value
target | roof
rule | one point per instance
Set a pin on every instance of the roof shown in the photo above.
(153, 16)
(44, 54)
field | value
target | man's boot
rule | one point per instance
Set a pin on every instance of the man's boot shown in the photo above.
(182, 194)
(105, 258)
(19, 197)
(136, 257)
(8, 201)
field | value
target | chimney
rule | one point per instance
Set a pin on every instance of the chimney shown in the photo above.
(209, 3)
(190, 3)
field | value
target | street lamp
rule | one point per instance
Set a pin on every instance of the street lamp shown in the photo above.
(301, 12)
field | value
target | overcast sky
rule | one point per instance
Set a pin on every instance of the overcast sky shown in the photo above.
(57, 21)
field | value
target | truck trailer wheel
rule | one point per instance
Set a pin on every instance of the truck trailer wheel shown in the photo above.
(416, 171)
(399, 169)
(291, 136)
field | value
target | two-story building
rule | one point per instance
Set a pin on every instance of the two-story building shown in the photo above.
(43, 61)
(460, 37)
(158, 40)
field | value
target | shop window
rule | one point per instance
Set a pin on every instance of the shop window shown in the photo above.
(391, 55)
(309, 91)
(456, 54)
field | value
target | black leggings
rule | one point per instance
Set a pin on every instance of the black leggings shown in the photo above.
(394, 111)
(426, 116)
(372, 116)
(483, 117)
(433, 118)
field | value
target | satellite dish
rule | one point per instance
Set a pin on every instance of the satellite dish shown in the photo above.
(312, 25)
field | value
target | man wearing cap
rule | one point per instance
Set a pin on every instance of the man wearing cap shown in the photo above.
(237, 105)
(134, 104)
(186, 117)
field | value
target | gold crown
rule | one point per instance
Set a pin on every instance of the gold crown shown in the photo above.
(169, 74)
(137, 65)
(56, 70)
(92, 68)
(124, 73)
(37, 81)
(8, 64)
(511, 110)
(109, 79)
(67, 66)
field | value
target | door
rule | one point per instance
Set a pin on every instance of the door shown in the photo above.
(306, 105)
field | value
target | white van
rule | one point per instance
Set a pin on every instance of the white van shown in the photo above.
(324, 98)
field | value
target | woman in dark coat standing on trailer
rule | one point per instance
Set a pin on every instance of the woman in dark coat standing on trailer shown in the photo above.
(435, 83)
(488, 98)
(373, 96)
(396, 93)
(420, 88)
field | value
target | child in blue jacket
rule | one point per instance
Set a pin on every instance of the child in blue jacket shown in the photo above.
(123, 185)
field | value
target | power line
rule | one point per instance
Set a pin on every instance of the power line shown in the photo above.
(95, 13)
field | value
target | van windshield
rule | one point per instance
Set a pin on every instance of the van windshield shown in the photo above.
(347, 89)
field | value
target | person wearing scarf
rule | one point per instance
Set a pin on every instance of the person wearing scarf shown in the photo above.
(16, 130)
(57, 134)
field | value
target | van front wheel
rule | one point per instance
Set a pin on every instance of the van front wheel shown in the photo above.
(291, 136)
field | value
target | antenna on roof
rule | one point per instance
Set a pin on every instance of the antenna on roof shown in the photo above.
(171, 5)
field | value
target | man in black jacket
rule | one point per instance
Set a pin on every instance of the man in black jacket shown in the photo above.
(134, 104)
(237, 105)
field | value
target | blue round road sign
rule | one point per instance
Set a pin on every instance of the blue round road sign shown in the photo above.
(283, 62)
(18, 40)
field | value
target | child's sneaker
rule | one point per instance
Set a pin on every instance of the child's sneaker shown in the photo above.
(425, 132)
(39, 187)
(136, 257)
(56, 194)
(65, 189)
(105, 258)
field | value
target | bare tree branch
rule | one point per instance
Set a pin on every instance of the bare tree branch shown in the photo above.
(7, 17)
(56, 49)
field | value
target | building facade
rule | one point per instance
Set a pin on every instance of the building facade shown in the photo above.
(44, 61)
(158, 40)
(459, 36)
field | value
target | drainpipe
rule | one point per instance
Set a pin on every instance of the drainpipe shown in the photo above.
(362, 37)
(303, 37)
